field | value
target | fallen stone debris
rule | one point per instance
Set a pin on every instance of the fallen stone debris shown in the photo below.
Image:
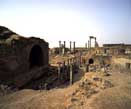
(89, 87)
(5, 89)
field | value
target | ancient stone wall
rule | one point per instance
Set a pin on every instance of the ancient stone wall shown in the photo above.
(20, 55)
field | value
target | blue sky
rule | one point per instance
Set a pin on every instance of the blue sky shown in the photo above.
(75, 20)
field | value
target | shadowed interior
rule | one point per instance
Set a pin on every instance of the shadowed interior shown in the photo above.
(91, 61)
(36, 57)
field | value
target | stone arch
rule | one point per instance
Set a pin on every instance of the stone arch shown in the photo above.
(36, 57)
(90, 61)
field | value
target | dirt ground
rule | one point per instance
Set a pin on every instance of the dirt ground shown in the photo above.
(92, 90)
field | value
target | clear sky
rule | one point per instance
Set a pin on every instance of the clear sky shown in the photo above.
(75, 20)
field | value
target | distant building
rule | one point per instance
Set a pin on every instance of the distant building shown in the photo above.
(114, 49)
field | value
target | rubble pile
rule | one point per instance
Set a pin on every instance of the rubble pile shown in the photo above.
(88, 87)
(93, 85)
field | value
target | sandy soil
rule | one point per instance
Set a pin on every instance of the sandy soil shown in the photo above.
(74, 97)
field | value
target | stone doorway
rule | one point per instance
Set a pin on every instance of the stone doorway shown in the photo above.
(91, 61)
(36, 57)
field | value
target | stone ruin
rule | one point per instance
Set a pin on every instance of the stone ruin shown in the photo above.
(21, 59)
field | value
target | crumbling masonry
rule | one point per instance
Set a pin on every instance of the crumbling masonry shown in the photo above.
(21, 59)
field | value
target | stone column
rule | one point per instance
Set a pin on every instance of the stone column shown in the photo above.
(71, 74)
(74, 46)
(45, 86)
(64, 71)
(63, 65)
(59, 47)
(80, 58)
(90, 42)
(87, 67)
(86, 46)
(64, 47)
(68, 70)
(70, 46)
(59, 72)
(95, 41)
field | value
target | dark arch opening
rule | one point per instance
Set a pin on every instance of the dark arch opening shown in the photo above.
(91, 61)
(36, 57)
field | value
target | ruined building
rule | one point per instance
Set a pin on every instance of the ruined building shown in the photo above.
(115, 49)
(21, 59)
